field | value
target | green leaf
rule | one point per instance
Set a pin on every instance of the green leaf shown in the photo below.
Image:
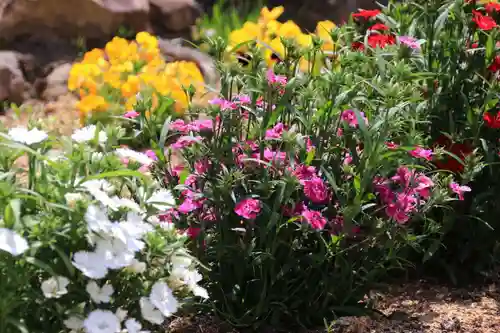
(118, 173)
(40, 264)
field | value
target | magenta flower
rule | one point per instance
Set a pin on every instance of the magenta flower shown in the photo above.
(410, 42)
(243, 99)
(263, 105)
(202, 166)
(276, 80)
(293, 210)
(347, 159)
(177, 170)
(309, 144)
(248, 208)
(349, 116)
(224, 104)
(391, 145)
(423, 186)
(270, 155)
(169, 216)
(186, 141)
(304, 172)
(151, 154)
(383, 189)
(190, 202)
(193, 232)
(403, 176)
(179, 125)
(402, 207)
(314, 218)
(131, 114)
(201, 125)
(420, 152)
(316, 190)
(276, 132)
(459, 189)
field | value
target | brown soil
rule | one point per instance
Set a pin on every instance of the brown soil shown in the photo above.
(411, 308)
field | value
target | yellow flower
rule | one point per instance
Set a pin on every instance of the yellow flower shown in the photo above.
(112, 78)
(276, 52)
(267, 15)
(131, 87)
(89, 104)
(272, 29)
(304, 40)
(146, 40)
(323, 29)
(289, 29)
(181, 101)
(240, 36)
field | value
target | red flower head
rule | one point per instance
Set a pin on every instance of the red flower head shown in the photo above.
(358, 46)
(379, 27)
(366, 14)
(483, 22)
(492, 7)
(381, 41)
(492, 120)
(460, 150)
(495, 65)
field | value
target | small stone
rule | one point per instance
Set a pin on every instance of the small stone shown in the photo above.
(451, 325)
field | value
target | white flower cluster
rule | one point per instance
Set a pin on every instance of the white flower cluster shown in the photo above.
(27, 137)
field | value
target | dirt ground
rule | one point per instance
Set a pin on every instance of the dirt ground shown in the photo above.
(418, 307)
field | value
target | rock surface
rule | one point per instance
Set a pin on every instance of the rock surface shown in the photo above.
(13, 85)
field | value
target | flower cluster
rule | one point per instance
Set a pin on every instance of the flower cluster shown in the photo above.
(269, 34)
(110, 79)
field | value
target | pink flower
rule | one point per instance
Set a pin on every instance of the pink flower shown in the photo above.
(347, 159)
(270, 155)
(340, 131)
(177, 170)
(131, 114)
(423, 186)
(168, 216)
(459, 189)
(273, 79)
(304, 172)
(403, 176)
(179, 125)
(202, 166)
(314, 218)
(190, 180)
(410, 42)
(189, 205)
(224, 104)
(383, 189)
(420, 152)
(349, 116)
(316, 190)
(186, 141)
(151, 154)
(263, 105)
(309, 144)
(276, 132)
(208, 215)
(193, 232)
(243, 99)
(391, 145)
(201, 125)
(248, 208)
(400, 210)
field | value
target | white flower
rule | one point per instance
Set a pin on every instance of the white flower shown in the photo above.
(102, 321)
(114, 253)
(121, 314)
(11, 242)
(92, 265)
(55, 287)
(97, 220)
(127, 203)
(99, 295)
(134, 155)
(190, 277)
(180, 260)
(133, 326)
(22, 135)
(98, 184)
(73, 198)
(137, 266)
(163, 299)
(96, 156)
(87, 134)
(162, 200)
(74, 323)
(149, 312)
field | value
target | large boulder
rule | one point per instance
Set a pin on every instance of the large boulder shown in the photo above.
(70, 18)
(14, 87)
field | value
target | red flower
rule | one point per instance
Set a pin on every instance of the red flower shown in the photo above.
(382, 41)
(492, 121)
(460, 150)
(366, 14)
(379, 26)
(483, 22)
(358, 46)
(492, 7)
(495, 65)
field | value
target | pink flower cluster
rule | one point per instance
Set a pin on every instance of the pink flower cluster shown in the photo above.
(276, 81)
(315, 188)
(420, 152)
(349, 116)
(276, 132)
(248, 208)
(199, 125)
(225, 104)
(186, 141)
(403, 193)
